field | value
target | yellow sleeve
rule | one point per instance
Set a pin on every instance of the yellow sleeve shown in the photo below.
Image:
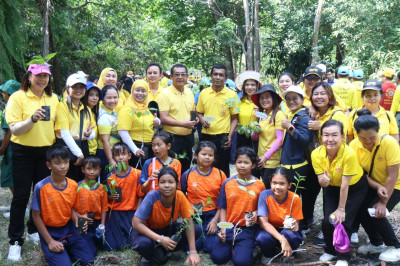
(351, 123)
(342, 117)
(62, 116)
(392, 151)
(125, 119)
(340, 102)
(14, 110)
(396, 101)
(278, 120)
(393, 128)
(316, 162)
(350, 162)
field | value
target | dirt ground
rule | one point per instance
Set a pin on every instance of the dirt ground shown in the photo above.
(31, 255)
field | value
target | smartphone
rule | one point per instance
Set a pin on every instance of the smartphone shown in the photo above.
(46, 108)
(193, 115)
(371, 212)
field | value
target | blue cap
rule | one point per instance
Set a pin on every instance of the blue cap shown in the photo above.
(230, 84)
(358, 74)
(90, 85)
(351, 74)
(343, 71)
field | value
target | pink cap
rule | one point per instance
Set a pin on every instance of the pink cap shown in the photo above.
(38, 69)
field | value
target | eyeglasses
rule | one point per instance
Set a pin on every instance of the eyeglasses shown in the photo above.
(181, 75)
(314, 78)
(294, 99)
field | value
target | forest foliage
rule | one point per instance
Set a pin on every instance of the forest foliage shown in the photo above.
(127, 35)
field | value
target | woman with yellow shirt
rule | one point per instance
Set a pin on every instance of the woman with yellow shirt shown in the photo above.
(75, 124)
(30, 113)
(271, 136)
(109, 77)
(372, 94)
(136, 123)
(324, 102)
(379, 156)
(345, 184)
(285, 80)
(107, 129)
(248, 82)
(92, 97)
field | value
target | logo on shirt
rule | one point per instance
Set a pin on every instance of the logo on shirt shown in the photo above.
(233, 195)
(49, 199)
(339, 169)
(380, 158)
(194, 184)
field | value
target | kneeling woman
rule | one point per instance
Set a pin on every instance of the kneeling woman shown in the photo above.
(238, 199)
(341, 175)
(273, 206)
(154, 219)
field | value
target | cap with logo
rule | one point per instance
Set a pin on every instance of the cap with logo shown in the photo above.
(372, 84)
(313, 70)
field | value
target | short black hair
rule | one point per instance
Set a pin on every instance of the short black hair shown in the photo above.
(107, 88)
(333, 122)
(93, 160)
(249, 152)
(154, 64)
(286, 173)
(290, 75)
(330, 70)
(57, 151)
(366, 121)
(165, 170)
(119, 147)
(178, 65)
(219, 66)
(398, 75)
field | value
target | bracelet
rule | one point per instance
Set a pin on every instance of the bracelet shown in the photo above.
(214, 221)
(33, 119)
(341, 209)
(159, 241)
(192, 251)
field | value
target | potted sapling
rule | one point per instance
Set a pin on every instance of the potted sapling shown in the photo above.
(248, 215)
(91, 184)
(289, 219)
(178, 234)
(114, 188)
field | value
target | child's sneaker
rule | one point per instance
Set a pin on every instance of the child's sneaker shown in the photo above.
(391, 254)
(365, 249)
(34, 238)
(342, 263)
(6, 215)
(327, 257)
(319, 239)
(14, 253)
(354, 238)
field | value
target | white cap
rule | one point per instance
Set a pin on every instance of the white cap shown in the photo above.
(295, 89)
(76, 78)
(245, 75)
(322, 67)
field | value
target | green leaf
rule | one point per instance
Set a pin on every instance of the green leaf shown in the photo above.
(79, 188)
(124, 166)
(49, 56)
(119, 166)
(251, 192)
(242, 188)
(138, 114)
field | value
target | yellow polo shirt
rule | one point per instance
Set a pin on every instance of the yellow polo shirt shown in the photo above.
(246, 112)
(268, 137)
(395, 108)
(358, 101)
(385, 127)
(338, 115)
(21, 106)
(345, 90)
(121, 101)
(215, 105)
(340, 103)
(151, 97)
(71, 121)
(178, 105)
(387, 154)
(93, 143)
(164, 82)
(345, 163)
(107, 125)
(140, 126)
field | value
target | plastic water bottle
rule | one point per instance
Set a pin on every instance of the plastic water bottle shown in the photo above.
(333, 219)
(100, 230)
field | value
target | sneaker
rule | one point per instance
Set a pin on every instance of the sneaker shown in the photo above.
(34, 238)
(319, 239)
(265, 260)
(342, 263)
(365, 249)
(367, 239)
(327, 257)
(6, 215)
(14, 253)
(354, 238)
(391, 254)
(304, 232)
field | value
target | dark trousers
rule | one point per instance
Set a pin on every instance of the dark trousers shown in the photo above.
(222, 157)
(355, 198)
(29, 167)
(266, 174)
(243, 141)
(182, 146)
(205, 241)
(379, 230)
(308, 195)
(104, 162)
(268, 243)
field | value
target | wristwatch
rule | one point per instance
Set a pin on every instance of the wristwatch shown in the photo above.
(291, 128)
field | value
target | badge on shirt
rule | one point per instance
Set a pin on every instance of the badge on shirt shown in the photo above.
(261, 115)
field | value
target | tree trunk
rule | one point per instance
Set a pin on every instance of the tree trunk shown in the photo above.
(340, 51)
(257, 45)
(57, 88)
(247, 38)
(317, 22)
(46, 35)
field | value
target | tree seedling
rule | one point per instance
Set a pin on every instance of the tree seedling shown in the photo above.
(37, 59)
(289, 219)
(252, 127)
(114, 189)
(178, 234)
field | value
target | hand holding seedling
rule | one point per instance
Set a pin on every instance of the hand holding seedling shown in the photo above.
(89, 221)
(253, 218)
(222, 235)
(295, 226)
(189, 124)
(114, 196)
(168, 243)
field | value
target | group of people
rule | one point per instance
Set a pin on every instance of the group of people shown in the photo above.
(153, 186)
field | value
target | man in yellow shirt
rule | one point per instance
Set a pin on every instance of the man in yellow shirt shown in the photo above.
(218, 113)
(395, 108)
(343, 86)
(176, 103)
(153, 77)
(358, 76)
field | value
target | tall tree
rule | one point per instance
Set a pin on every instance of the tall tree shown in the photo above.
(317, 22)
